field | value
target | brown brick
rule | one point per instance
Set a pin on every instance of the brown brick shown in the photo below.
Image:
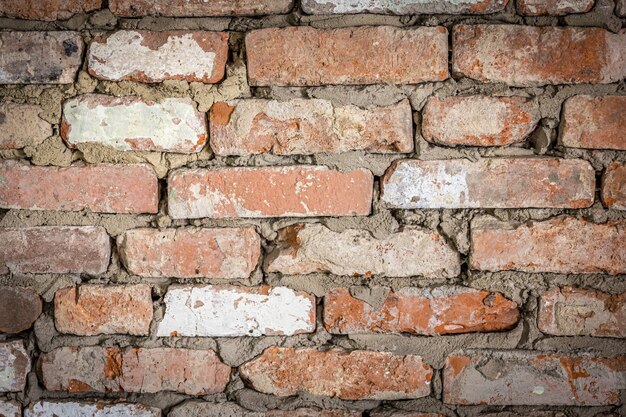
(574, 312)
(563, 245)
(294, 191)
(594, 122)
(447, 310)
(553, 7)
(403, 7)
(21, 126)
(19, 308)
(359, 55)
(103, 309)
(489, 183)
(55, 249)
(479, 120)
(40, 57)
(47, 9)
(14, 366)
(103, 188)
(99, 369)
(301, 126)
(533, 56)
(135, 8)
(531, 378)
(356, 375)
(614, 186)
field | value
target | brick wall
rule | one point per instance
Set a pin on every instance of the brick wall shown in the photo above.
(327, 208)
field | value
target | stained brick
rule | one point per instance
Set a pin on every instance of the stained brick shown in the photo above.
(614, 186)
(14, 366)
(89, 409)
(19, 308)
(48, 9)
(21, 126)
(553, 7)
(403, 7)
(135, 8)
(10, 408)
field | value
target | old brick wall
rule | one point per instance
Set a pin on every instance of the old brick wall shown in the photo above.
(321, 208)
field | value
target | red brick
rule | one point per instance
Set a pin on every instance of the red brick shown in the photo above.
(21, 126)
(594, 122)
(135, 8)
(403, 7)
(359, 55)
(190, 253)
(14, 366)
(553, 7)
(479, 120)
(89, 409)
(356, 375)
(614, 186)
(531, 378)
(293, 191)
(19, 308)
(102, 188)
(533, 56)
(302, 126)
(55, 249)
(99, 369)
(47, 9)
(489, 183)
(103, 309)
(574, 312)
(447, 310)
(563, 245)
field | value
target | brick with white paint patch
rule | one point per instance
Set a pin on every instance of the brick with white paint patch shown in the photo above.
(229, 311)
(189, 8)
(10, 409)
(14, 366)
(21, 125)
(553, 7)
(89, 409)
(133, 124)
(403, 7)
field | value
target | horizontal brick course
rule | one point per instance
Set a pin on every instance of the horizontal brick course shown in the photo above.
(47, 10)
(553, 7)
(135, 8)
(89, 409)
(403, 7)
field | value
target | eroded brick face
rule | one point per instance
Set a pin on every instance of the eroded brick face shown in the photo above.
(135, 8)
(14, 366)
(10, 409)
(403, 7)
(553, 7)
(614, 186)
(89, 409)
(19, 308)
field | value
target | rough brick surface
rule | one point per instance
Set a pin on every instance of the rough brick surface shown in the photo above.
(355, 375)
(89, 409)
(294, 191)
(148, 56)
(20, 125)
(446, 310)
(531, 56)
(48, 9)
(133, 124)
(40, 57)
(228, 311)
(479, 120)
(363, 55)
(572, 311)
(528, 378)
(301, 126)
(204, 409)
(10, 409)
(103, 188)
(563, 245)
(55, 249)
(103, 309)
(553, 7)
(134, 8)
(19, 308)
(14, 366)
(309, 248)
(614, 186)
(489, 183)
(99, 369)
(594, 122)
(228, 253)
(393, 413)
(403, 7)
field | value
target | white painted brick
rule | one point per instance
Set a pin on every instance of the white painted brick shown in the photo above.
(14, 366)
(85, 409)
(10, 409)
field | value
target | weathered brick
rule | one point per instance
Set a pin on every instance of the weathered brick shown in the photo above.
(21, 126)
(19, 308)
(55, 249)
(294, 191)
(533, 56)
(553, 7)
(489, 183)
(14, 366)
(133, 124)
(309, 248)
(614, 186)
(99, 369)
(135, 8)
(447, 310)
(40, 57)
(594, 122)
(359, 55)
(395, 413)
(103, 309)
(10, 409)
(204, 409)
(48, 9)
(620, 8)
(479, 120)
(355, 375)
(403, 7)
(102, 188)
(311, 412)
(229, 253)
(89, 409)
(301, 126)
(529, 414)
(563, 245)
(228, 311)
(149, 56)
(530, 378)
(572, 311)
